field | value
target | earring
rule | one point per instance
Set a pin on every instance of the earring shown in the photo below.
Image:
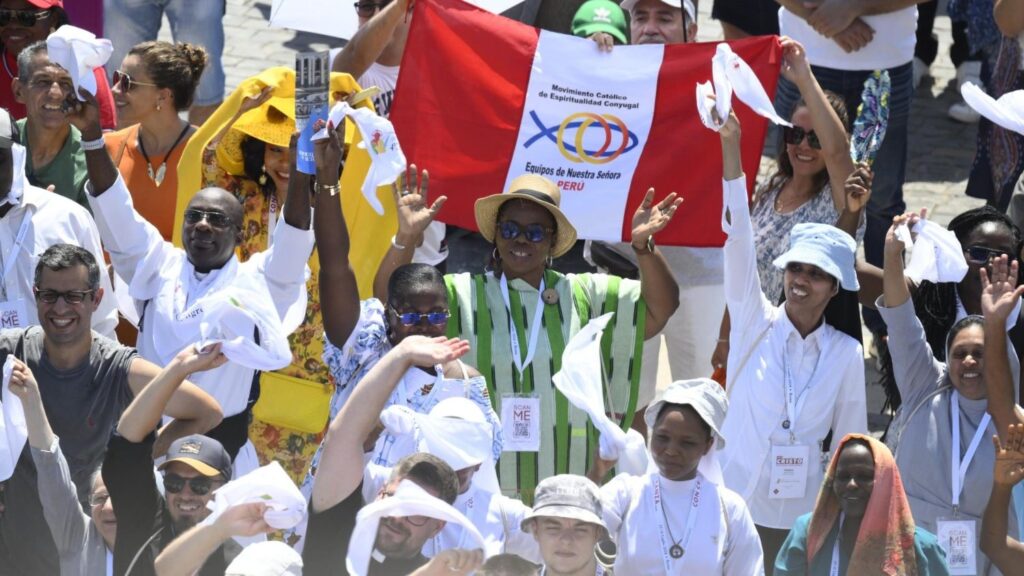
(494, 255)
(263, 176)
(159, 107)
(549, 261)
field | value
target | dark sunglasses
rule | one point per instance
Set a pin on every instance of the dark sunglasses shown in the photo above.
(533, 232)
(72, 297)
(368, 9)
(414, 318)
(215, 219)
(981, 254)
(26, 18)
(124, 82)
(795, 135)
(200, 485)
(416, 521)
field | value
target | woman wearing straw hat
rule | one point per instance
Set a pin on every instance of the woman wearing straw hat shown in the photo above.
(520, 313)
(702, 526)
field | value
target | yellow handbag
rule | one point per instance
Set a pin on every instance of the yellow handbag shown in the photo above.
(293, 403)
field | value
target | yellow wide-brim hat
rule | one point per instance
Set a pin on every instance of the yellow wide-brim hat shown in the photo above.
(530, 188)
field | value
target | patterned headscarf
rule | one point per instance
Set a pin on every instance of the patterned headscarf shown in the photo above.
(885, 542)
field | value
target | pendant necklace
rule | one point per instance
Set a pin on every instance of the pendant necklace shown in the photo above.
(675, 551)
(161, 171)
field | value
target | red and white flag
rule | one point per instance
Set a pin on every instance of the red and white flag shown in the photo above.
(482, 99)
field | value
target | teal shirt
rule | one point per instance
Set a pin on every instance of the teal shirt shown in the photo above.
(792, 558)
(66, 172)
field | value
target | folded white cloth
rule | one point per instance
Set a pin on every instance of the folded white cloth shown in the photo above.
(286, 506)
(387, 161)
(18, 179)
(1007, 111)
(408, 500)
(232, 319)
(937, 255)
(79, 52)
(13, 429)
(731, 74)
(582, 382)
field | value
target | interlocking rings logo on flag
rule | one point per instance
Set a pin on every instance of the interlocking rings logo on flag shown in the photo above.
(582, 122)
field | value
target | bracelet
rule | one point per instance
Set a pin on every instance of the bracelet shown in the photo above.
(330, 189)
(90, 145)
(396, 244)
(722, 340)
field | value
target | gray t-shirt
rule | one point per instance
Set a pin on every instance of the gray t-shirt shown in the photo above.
(83, 404)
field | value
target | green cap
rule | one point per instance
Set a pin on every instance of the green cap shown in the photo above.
(600, 16)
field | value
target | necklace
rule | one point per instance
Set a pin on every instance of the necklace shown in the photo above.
(161, 171)
(676, 551)
(7, 67)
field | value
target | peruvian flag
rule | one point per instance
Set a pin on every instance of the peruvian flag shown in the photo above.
(482, 99)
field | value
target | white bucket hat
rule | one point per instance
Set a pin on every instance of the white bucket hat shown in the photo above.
(704, 395)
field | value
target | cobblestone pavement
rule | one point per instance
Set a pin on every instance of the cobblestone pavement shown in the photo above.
(941, 150)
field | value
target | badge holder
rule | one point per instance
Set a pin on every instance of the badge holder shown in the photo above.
(790, 465)
(959, 538)
(520, 422)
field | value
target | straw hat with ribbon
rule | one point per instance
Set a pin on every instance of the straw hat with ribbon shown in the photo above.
(530, 188)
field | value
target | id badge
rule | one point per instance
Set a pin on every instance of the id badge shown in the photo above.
(959, 539)
(13, 314)
(790, 465)
(520, 423)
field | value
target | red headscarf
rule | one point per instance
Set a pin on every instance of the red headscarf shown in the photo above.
(885, 541)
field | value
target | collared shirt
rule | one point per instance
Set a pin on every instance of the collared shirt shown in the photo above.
(152, 268)
(828, 364)
(55, 220)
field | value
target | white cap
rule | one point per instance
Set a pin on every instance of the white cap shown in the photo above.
(269, 558)
(686, 5)
(704, 395)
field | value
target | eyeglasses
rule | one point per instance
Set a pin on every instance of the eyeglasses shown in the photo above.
(98, 500)
(795, 135)
(533, 232)
(368, 9)
(71, 297)
(215, 219)
(26, 18)
(125, 83)
(200, 485)
(416, 521)
(414, 318)
(981, 254)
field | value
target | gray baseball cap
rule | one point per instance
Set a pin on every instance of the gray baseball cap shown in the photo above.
(566, 496)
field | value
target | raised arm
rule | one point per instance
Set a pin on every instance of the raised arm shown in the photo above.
(657, 284)
(187, 553)
(999, 295)
(339, 293)
(369, 42)
(143, 414)
(414, 216)
(835, 143)
(336, 477)
(1004, 551)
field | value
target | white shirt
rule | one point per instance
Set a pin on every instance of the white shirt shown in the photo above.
(55, 220)
(497, 517)
(150, 265)
(762, 340)
(724, 541)
(891, 46)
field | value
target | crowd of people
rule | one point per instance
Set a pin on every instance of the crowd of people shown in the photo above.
(193, 383)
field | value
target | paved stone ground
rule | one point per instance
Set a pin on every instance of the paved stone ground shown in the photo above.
(941, 150)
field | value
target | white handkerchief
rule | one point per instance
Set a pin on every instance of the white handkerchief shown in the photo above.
(408, 500)
(13, 429)
(1007, 111)
(79, 52)
(232, 319)
(387, 161)
(903, 235)
(937, 255)
(18, 179)
(731, 74)
(286, 506)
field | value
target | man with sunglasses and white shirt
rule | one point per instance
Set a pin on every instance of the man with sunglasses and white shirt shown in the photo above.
(172, 290)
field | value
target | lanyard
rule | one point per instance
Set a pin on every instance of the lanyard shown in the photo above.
(12, 257)
(834, 570)
(794, 403)
(959, 467)
(271, 219)
(675, 551)
(531, 346)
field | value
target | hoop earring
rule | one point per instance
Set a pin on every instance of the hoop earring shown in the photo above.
(494, 255)
(549, 262)
(263, 176)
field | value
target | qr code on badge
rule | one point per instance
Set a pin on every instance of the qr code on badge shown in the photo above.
(957, 559)
(521, 430)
